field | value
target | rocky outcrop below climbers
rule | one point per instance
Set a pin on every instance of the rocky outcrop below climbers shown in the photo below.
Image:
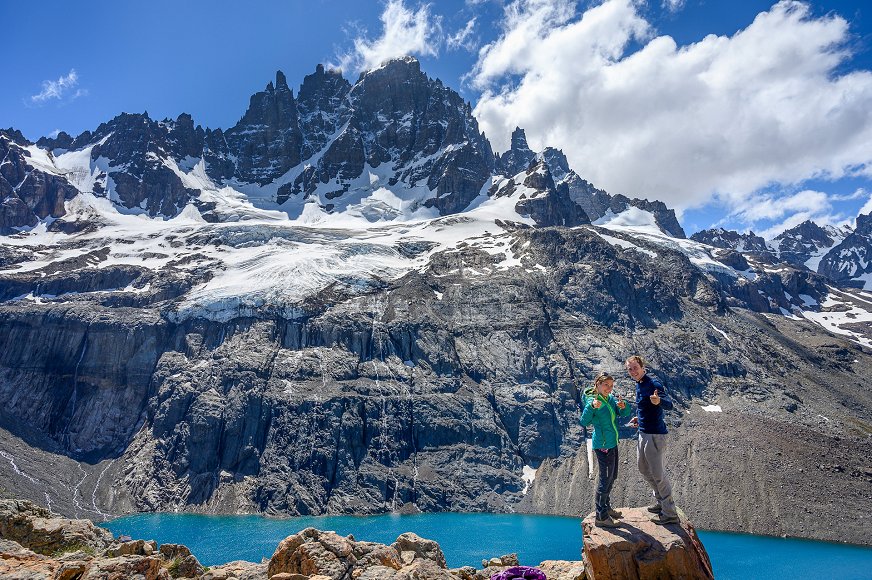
(36, 544)
(639, 548)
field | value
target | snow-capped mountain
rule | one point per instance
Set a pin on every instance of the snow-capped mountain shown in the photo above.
(348, 303)
(806, 246)
(732, 240)
(848, 261)
(336, 145)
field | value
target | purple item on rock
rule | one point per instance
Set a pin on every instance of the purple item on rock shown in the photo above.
(520, 573)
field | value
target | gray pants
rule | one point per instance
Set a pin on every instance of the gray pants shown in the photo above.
(651, 449)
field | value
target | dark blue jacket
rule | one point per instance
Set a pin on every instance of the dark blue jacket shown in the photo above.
(651, 415)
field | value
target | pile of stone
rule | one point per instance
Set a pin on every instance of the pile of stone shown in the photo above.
(36, 544)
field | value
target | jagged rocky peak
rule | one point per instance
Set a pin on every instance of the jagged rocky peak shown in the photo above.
(849, 262)
(15, 136)
(425, 131)
(596, 203)
(409, 113)
(539, 198)
(62, 140)
(322, 90)
(136, 148)
(663, 216)
(731, 240)
(519, 156)
(805, 244)
(864, 225)
(322, 108)
(130, 149)
(557, 163)
(267, 140)
(804, 233)
(185, 139)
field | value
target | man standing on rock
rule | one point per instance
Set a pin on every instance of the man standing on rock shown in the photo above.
(651, 399)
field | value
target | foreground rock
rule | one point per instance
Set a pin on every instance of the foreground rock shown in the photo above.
(43, 532)
(316, 554)
(37, 544)
(639, 548)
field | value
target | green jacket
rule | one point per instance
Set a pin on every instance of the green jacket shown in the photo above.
(604, 419)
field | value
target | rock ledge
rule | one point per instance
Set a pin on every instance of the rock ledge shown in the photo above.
(639, 548)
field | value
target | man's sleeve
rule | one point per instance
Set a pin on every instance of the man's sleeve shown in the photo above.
(665, 399)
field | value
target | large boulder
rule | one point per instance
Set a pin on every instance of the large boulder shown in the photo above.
(411, 547)
(182, 564)
(140, 567)
(312, 552)
(43, 532)
(639, 549)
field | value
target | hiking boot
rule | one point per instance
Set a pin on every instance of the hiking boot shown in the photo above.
(606, 522)
(662, 520)
(655, 509)
(615, 514)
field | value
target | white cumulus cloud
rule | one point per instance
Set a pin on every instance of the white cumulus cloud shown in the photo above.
(405, 31)
(64, 87)
(721, 118)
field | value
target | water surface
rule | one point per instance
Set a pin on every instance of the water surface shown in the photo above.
(467, 539)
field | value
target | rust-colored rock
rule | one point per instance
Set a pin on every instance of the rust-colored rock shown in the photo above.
(311, 552)
(141, 567)
(17, 561)
(641, 549)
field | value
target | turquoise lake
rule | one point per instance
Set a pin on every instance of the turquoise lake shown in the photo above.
(466, 539)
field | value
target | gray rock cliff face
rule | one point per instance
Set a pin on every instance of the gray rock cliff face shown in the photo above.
(396, 399)
(362, 405)
(27, 194)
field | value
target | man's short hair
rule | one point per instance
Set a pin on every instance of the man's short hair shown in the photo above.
(642, 362)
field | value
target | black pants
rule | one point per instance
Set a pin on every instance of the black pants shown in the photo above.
(608, 471)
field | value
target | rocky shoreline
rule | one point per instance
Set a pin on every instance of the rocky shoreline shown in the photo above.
(36, 544)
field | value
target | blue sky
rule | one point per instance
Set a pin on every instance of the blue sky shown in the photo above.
(747, 114)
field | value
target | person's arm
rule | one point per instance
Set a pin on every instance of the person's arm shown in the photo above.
(626, 411)
(587, 415)
(665, 400)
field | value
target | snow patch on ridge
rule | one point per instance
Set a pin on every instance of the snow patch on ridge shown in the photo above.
(529, 476)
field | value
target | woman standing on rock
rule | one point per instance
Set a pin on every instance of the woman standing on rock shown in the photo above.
(601, 410)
